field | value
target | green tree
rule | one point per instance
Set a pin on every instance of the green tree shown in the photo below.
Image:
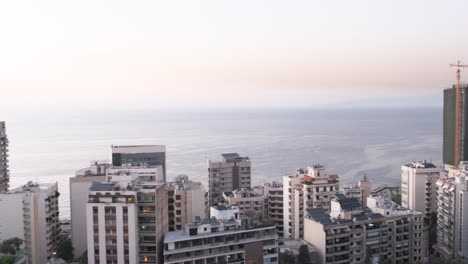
(287, 257)
(6, 260)
(10, 246)
(65, 250)
(303, 257)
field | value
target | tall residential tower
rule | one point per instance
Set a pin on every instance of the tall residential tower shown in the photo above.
(232, 173)
(4, 172)
(454, 152)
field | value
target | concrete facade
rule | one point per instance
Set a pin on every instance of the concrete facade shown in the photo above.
(352, 233)
(418, 190)
(30, 212)
(186, 202)
(79, 187)
(309, 188)
(221, 241)
(452, 218)
(232, 173)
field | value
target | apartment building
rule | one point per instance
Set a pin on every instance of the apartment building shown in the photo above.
(366, 186)
(79, 187)
(250, 204)
(4, 171)
(274, 195)
(351, 233)
(231, 173)
(221, 240)
(353, 191)
(418, 190)
(186, 201)
(308, 188)
(452, 219)
(126, 222)
(30, 212)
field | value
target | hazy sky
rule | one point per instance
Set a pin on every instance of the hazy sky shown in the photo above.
(228, 53)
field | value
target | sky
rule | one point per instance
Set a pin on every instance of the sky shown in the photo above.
(140, 54)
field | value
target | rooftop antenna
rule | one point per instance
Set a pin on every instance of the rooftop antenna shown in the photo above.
(458, 106)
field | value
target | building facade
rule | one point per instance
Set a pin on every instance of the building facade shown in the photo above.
(274, 195)
(418, 186)
(232, 173)
(186, 202)
(452, 217)
(4, 170)
(452, 154)
(126, 222)
(351, 233)
(31, 213)
(250, 205)
(79, 187)
(221, 240)
(309, 188)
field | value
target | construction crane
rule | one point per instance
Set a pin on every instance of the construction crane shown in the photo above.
(458, 106)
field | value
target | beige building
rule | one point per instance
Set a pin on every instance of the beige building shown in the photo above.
(221, 240)
(232, 173)
(309, 188)
(186, 201)
(31, 213)
(79, 187)
(452, 219)
(351, 233)
(4, 171)
(366, 186)
(250, 204)
(418, 190)
(274, 195)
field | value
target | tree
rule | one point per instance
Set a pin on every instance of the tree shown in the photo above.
(397, 198)
(10, 246)
(6, 260)
(65, 250)
(303, 257)
(287, 257)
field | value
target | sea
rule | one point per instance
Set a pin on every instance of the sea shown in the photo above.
(50, 145)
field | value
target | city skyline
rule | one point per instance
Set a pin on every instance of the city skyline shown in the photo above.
(185, 54)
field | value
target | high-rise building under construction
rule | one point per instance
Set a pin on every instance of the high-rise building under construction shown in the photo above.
(455, 147)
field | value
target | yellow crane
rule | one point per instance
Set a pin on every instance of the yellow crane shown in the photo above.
(458, 120)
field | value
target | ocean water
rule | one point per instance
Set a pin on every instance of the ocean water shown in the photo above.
(49, 146)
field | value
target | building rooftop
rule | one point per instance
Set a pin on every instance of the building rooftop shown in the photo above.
(230, 155)
(33, 187)
(129, 149)
(421, 165)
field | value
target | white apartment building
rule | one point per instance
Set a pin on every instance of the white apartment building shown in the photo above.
(309, 188)
(126, 222)
(186, 202)
(452, 216)
(232, 173)
(31, 213)
(250, 205)
(79, 187)
(418, 190)
(351, 233)
(221, 240)
(4, 171)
